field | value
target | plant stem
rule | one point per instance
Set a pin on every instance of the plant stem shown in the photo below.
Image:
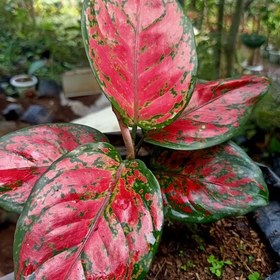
(139, 144)
(128, 141)
(133, 133)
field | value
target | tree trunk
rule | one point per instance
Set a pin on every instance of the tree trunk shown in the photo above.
(218, 48)
(202, 15)
(232, 36)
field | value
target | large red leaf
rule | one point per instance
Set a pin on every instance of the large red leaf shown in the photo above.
(90, 216)
(209, 184)
(215, 113)
(27, 153)
(143, 55)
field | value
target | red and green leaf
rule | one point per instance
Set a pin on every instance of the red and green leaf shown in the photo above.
(90, 216)
(27, 153)
(209, 184)
(143, 55)
(214, 114)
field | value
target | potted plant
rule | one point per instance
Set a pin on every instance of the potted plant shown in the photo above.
(88, 213)
(24, 83)
(254, 42)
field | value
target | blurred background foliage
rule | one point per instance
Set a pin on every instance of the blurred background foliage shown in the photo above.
(219, 24)
(32, 30)
(219, 27)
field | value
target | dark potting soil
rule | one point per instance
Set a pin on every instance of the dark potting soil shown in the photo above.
(184, 251)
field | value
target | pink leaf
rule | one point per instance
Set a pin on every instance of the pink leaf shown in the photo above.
(209, 184)
(143, 54)
(213, 115)
(90, 216)
(26, 154)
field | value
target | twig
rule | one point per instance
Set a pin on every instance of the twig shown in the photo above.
(160, 269)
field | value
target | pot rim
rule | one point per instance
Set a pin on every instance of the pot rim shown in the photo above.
(14, 81)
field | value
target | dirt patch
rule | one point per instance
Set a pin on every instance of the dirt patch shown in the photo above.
(184, 251)
(6, 248)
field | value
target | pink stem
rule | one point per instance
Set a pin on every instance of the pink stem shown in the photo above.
(128, 142)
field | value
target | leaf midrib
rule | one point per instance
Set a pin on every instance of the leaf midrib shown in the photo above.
(136, 63)
(97, 217)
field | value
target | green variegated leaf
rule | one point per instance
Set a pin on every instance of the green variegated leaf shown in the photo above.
(90, 216)
(209, 184)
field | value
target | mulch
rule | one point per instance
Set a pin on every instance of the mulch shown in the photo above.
(6, 248)
(185, 249)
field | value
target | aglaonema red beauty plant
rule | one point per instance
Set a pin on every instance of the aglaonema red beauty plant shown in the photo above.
(87, 213)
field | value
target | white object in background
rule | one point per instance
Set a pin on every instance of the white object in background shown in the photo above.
(103, 120)
(23, 83)
(81, 109)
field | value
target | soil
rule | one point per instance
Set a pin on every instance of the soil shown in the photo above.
(6, 248)
(184, 249)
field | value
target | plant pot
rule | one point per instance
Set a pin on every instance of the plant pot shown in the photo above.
(24, 83)
(252, 41)
(274, 56)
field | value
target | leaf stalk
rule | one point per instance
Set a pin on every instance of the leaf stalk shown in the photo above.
(127, 138)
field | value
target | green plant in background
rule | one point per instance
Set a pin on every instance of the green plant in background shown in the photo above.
(205, 50)
(217, 265)
(187, 266)
(266, 117)
(199, 241)
(48, 30)
(28, 30)
(270, 15)
(254, 276)
(267, 112)
(250, 259)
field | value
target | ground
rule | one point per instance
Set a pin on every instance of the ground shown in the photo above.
(185, 249)
(6, 247)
